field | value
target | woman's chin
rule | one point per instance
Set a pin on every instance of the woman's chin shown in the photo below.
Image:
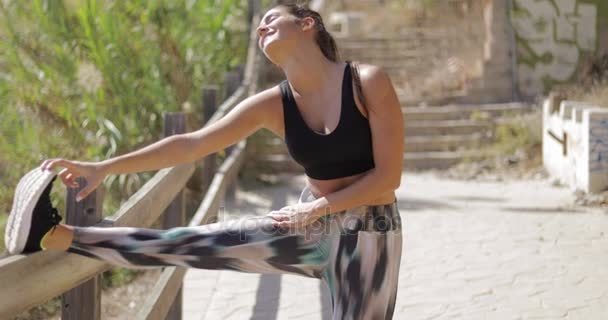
(268, 45)
(271, 52)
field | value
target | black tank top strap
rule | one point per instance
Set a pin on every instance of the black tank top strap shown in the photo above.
(285, 92)
(347, 85)
(289, 113)
(348, 97)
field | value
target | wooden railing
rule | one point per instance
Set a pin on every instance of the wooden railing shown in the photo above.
(27, 281)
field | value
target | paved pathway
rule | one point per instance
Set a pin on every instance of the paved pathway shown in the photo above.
(508, 250)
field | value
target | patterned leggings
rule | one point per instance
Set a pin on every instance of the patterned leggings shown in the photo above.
(356, 252)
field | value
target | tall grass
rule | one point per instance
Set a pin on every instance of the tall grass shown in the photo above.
(88, 80)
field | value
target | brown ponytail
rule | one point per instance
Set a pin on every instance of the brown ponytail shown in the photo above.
(354, 67)
(325, 40)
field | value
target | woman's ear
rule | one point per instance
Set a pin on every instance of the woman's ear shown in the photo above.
(308, 23)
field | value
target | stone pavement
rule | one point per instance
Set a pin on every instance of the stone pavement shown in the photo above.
(472, 250)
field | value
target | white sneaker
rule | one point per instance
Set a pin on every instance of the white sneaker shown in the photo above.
(32, 215)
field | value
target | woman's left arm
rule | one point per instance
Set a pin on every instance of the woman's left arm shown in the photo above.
(386, 122)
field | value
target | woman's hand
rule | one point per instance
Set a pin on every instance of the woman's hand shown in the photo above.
(92, 172)
(298, 215)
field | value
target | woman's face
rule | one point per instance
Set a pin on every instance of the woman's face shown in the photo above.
(279, 33)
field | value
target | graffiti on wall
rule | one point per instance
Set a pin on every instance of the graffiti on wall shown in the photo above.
(551, 37)
(598, 145)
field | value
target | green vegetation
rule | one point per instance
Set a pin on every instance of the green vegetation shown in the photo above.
(518, 133)
(119, 276)
(87, 80)
(513, 134)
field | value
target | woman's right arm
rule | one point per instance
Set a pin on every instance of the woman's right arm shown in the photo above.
(245, 118)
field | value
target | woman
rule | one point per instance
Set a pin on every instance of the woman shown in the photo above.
(345, 229)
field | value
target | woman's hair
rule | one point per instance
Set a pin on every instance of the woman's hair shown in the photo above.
(325, 40)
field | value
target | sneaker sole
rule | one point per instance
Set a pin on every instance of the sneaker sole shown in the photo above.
(28, 192)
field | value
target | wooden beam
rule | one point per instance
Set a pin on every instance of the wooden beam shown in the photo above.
(230, 103)
(159, 302)
(31, 280)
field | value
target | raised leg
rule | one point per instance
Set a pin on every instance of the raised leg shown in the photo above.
(248, 245)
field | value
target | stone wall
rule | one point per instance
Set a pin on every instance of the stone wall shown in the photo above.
(554, 37)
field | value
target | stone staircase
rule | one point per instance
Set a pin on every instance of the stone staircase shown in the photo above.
(417, 52)
(439, 137)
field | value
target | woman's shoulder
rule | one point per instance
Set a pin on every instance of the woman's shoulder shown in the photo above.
(369, 72)
(269, 105)
(376, 85)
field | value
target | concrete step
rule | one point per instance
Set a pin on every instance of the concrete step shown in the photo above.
(388, 63)
(411, 161)
(271, 145)
(500, 62)
(445, 97)
(446, 127)
(415, 45)
(491, 84)
(485, 97)
(497, 70)
(272, 163)
(436, 160)
(404, 42)
(459, 112)
(396, 67)
(390, 54)
(446, 143)
(412, 144)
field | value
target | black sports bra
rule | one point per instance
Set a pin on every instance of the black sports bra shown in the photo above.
(346, 151)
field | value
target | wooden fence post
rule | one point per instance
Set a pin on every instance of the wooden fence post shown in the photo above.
(240, 70)
(174, 215)
(210, 96)
(84, 301)
(252, 7)
(232, 81)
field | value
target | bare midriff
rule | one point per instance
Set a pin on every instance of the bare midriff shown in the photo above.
(320, 188)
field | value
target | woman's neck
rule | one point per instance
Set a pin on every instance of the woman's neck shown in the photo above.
(308, 74)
